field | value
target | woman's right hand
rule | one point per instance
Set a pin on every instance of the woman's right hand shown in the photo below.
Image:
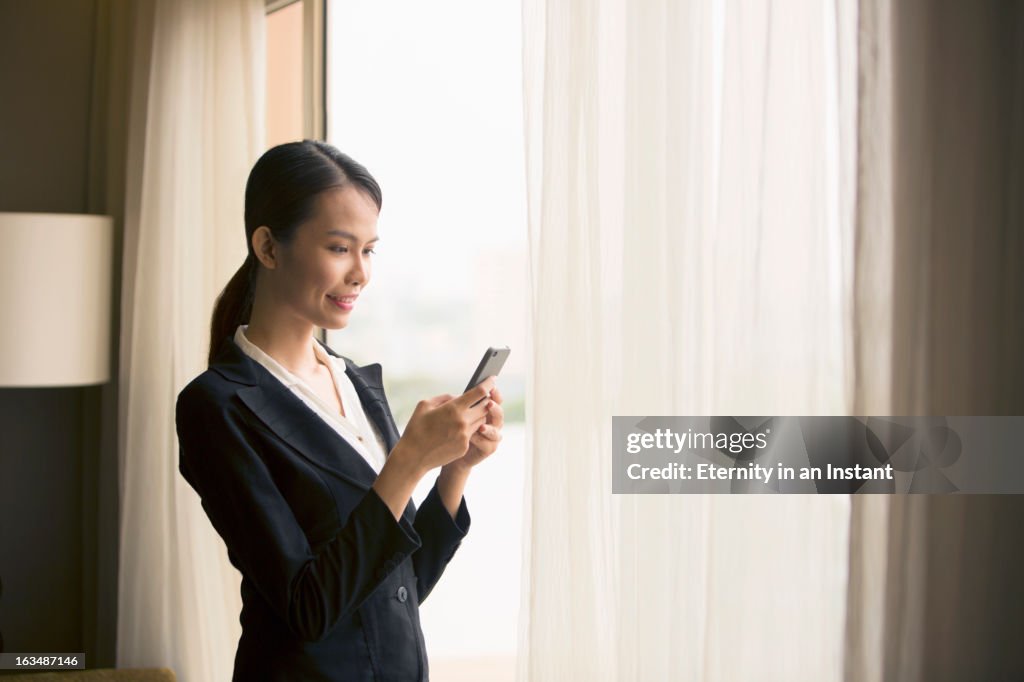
(440, 427)
(437, 433)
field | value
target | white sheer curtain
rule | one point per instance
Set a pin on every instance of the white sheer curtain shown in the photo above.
(690, 178)
(196, 127)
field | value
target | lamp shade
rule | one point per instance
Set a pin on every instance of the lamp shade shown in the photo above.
(55, 290)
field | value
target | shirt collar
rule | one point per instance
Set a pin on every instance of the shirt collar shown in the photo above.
(273, 366)
(320, 353)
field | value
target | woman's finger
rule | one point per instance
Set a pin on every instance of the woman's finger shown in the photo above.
(489, 432)
(484, 445)
(480, 411)
(474, 395)
(496, 415)
(478, 422)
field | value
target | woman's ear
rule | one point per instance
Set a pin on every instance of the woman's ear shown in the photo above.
(264, 247)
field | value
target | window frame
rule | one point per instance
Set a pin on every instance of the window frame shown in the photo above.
(314, 73)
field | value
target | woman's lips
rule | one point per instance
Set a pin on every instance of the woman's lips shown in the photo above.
(343, 302)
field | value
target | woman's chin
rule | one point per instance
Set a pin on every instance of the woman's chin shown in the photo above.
(335, 323)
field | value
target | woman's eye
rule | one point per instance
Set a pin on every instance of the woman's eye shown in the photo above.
(344, 249)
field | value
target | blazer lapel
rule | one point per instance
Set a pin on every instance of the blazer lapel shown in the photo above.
(299, 426)
(370, 388)
(303, 429)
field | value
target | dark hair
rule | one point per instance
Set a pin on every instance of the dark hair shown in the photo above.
(281, 193)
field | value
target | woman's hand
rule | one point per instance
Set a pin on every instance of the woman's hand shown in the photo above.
(485, 439)
(442, 428)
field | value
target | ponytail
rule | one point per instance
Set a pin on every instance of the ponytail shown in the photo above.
(233, 306)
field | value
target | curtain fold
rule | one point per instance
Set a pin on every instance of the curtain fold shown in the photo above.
(690, 236)
(195, 128)
(934, 591)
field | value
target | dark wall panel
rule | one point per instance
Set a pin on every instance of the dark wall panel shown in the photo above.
(48, 486)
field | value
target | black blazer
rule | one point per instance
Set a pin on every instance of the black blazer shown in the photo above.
(331, 583)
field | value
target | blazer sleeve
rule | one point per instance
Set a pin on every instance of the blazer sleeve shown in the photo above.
(440, 536)
(309, 591)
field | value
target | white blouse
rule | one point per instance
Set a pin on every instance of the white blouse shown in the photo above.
(353, 426)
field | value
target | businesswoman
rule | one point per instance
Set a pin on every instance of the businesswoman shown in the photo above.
(294, 451)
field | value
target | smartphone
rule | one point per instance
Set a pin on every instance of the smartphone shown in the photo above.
(490, 364)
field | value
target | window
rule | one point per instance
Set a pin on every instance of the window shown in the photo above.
(429, 98)
(284, 99)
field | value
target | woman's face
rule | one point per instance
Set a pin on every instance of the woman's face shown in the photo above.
(328, 263)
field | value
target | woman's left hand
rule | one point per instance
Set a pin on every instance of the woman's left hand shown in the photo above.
(485, 439)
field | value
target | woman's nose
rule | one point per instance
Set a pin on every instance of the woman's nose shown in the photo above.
(359, 272)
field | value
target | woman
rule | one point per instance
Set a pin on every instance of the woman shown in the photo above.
(294, 451)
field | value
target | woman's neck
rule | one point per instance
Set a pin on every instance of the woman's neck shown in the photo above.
(290, 345)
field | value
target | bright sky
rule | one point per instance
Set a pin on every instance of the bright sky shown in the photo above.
(428, 96)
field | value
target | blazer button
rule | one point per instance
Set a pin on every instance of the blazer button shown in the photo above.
(403, 593)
